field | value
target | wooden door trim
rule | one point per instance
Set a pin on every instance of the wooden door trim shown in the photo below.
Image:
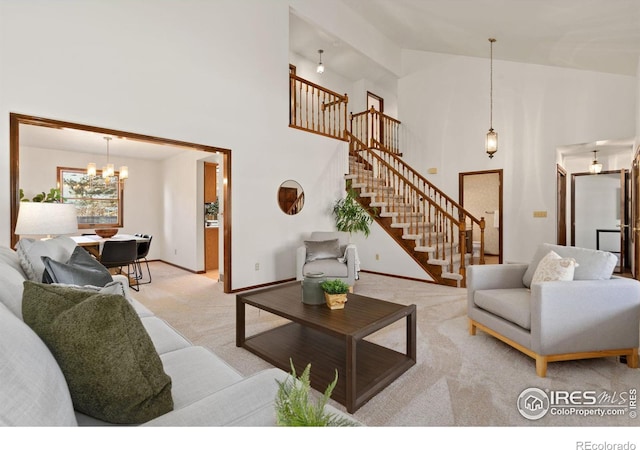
(561, 205)
(500, 173)
(15, 120)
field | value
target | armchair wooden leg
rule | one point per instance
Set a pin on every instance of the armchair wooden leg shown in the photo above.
(632, 359)
(541, 366)
(472, 328)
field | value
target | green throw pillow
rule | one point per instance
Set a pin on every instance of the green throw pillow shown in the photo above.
(112, 368)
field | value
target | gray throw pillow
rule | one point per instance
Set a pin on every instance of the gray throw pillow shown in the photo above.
(591, 264)
(322, 249)
(31, 251)
(82, 269)
(111, 366)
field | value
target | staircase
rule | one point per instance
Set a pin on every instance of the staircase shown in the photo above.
(432, 228)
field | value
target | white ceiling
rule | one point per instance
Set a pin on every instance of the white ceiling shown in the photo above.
(598, 35)
(74, 140)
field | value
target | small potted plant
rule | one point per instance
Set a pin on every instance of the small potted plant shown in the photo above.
(211, 210)
(335, 293)
(294, 406)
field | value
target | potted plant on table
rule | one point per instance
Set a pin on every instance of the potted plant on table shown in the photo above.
(335, 293)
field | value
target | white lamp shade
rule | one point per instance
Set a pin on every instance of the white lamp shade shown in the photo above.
(92, 169)
(46, 219)
(124, 172)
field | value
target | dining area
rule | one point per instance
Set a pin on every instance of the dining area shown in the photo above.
(120, 253)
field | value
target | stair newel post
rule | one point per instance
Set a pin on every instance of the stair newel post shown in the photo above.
(463, 249)
(344, 112)
(482, 225)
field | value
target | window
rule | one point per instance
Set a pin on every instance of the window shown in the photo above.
(98, 203)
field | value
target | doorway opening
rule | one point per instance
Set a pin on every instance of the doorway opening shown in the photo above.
(480, 193)
(599, 213)
(17, 121)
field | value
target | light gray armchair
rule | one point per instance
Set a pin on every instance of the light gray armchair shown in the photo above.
(328, 252)
(595, 315)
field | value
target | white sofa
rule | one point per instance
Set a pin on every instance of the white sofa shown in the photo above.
(593, 315)
(206, 391)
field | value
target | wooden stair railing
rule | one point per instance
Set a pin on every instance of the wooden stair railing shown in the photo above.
(371, 125)
(434, 229)
(316, 109)
(296, 206)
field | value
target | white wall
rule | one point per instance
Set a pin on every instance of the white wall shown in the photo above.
(216, 73)
(444, 106)
(213, 73)
(142, 201)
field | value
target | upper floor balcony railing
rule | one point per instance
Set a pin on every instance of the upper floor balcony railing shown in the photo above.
(316, 109)
(377, 130)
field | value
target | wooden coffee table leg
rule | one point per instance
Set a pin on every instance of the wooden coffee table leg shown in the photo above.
(411, 335)
(240, 322)
(351, 375)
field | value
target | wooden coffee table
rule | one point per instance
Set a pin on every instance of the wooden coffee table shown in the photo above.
(330, 340)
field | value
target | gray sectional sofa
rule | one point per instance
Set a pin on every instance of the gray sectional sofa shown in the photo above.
(205, 390)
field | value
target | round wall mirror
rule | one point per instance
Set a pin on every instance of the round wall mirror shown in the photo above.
(291, 197)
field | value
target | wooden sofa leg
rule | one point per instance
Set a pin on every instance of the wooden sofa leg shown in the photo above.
(541, 366)
(472, 328)
(632, 359)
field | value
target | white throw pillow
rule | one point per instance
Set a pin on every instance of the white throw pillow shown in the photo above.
(553, 267)
(31, 251)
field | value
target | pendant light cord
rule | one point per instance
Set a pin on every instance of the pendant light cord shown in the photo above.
(491, 40)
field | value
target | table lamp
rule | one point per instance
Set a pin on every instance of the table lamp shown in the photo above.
(46, 219)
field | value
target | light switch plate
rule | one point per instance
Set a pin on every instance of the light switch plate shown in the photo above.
(539, 214)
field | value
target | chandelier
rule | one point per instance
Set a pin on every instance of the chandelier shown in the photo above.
(108, 171)
(595, 167)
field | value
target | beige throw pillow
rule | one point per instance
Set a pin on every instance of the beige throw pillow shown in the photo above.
(553, 267)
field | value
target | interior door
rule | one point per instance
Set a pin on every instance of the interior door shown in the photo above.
(624, 219)
(480, 193)
(635, 214)
(376, 102)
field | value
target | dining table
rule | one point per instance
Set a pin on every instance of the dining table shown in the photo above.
(93, 243)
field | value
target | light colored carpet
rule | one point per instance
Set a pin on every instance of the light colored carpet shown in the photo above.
(459, 380)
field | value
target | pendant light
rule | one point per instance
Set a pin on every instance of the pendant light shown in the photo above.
(320, 68)
(595, 166)
(491, 144)
(107, 171)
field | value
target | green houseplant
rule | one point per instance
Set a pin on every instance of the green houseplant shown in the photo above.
(335, 293)
(350, 216)
(211, 209)
(294, 407)
(53, 196)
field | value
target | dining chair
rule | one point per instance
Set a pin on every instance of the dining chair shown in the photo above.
(118, 254)
(143, 251)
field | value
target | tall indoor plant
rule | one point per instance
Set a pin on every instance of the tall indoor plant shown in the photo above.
(350, 215)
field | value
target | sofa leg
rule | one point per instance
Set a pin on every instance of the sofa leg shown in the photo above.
(472, 328)
(632, 359)
(541, 366)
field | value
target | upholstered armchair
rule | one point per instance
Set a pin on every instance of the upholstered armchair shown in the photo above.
(557, 308)
(328, 252)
